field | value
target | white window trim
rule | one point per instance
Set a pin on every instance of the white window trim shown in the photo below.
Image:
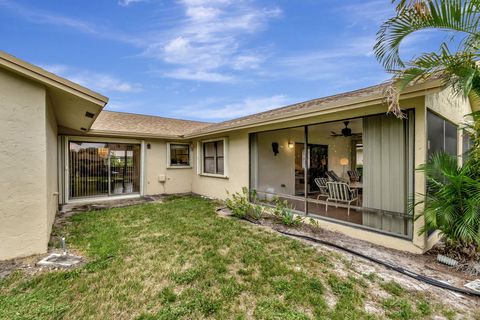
(170, 166)
(200, 158)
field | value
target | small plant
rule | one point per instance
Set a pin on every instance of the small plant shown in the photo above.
(243, 205)
(284, 212)
(314, 223)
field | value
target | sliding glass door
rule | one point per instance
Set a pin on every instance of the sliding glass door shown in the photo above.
(99, 169)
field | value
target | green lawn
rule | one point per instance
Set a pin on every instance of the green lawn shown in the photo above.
(178, 259)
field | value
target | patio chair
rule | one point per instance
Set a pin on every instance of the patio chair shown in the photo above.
(354, 175)
(341, 192)
(322, 186)
(333, 176)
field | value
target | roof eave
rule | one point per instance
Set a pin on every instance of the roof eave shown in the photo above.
(38, 74)
(94, 132)
(414, 91)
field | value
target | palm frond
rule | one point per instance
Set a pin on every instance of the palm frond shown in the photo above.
(454, 15)
(452, 201)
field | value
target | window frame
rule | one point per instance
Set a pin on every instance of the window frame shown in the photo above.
(445, 121)
(201, 158)
(169, 153)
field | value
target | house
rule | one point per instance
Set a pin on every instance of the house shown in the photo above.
(59, 147)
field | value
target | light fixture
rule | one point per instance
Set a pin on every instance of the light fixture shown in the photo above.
(344, 163)
(102, 153)
(291, 144)
(275, 148)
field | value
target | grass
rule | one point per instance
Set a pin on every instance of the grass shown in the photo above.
(178, 259)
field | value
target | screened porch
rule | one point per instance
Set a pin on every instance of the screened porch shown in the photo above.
(353, 171)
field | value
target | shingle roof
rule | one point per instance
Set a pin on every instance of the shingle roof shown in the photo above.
(295, 109)
(138, 125)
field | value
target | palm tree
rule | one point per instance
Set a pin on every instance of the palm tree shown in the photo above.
(452, 204)
(459, 19)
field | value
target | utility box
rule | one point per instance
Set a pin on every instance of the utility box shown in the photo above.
(162, 178)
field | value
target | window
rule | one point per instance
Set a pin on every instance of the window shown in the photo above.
(213, 157)
(442, 135)
(178, 155)
(467, 145)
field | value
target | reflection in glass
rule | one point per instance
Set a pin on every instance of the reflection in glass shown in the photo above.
(102, 169)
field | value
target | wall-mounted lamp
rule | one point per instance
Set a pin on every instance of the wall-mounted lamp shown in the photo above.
(275, 148)
(291, 145)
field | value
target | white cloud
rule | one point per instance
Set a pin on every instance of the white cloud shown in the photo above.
(47, 18)
(198, 75)
(245, 107)
(367, 14)
(243, 62)
(126, 3)
(210, 40)
(93, 80)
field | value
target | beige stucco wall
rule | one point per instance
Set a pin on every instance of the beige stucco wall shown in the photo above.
(52, 167)
(449, 105)
(177, 180)
(238, 172)
(23, 222)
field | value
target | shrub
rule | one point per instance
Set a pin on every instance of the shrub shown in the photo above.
(284, 213)
(243, 205)
(452, 202)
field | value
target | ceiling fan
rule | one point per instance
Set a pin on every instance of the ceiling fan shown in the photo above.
(346, 132)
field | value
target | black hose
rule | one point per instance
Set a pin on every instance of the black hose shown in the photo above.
(401, 270)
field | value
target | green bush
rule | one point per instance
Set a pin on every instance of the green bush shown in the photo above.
(452, 202)
(243, 205)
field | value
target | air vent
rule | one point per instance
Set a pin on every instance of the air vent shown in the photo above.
(89, 114)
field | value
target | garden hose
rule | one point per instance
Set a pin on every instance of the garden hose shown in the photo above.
(401, 270)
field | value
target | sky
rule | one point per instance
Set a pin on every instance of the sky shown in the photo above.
(206, 60)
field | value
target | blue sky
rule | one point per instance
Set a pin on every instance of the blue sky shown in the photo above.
(204, 60)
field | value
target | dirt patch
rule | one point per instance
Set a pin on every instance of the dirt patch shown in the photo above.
(425, 264)
(28, 264)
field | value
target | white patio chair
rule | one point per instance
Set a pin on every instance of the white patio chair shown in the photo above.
(322, 186)
(341, 192)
